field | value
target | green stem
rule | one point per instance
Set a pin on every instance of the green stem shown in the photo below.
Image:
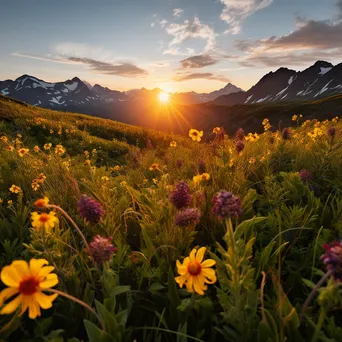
(319, 325)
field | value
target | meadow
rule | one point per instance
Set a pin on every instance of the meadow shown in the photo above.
(111, 232)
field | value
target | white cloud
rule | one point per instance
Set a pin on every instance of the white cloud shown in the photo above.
(237, 11)
(152, 24)
(177, 12)
(163, 22)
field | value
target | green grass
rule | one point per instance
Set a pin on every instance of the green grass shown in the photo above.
(267, 258)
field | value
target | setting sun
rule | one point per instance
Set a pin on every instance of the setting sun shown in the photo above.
(163, 97)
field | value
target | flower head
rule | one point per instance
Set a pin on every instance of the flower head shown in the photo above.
(36, 149)
(90, 209)
(286, 133)
(195, 273)
(217, 130)
(154, 167)
(331, 131)
(240, 134)
(23, 151)
(4, 138)
(27, 281)
(204, 177)
(10, 148)
(239, 145)
(44, 221)
(15, 189)
(195, 135)
(305, 175)
(101, 249)
(116, 168)
(47, 146)
(173, 144)
(295, 117)
(333, 259)
(188, 217)
(226, 205)
(180, 197)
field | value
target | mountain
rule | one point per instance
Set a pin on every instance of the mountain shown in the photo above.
(319, 80)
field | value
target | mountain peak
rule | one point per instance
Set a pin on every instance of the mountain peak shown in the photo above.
(323, 64)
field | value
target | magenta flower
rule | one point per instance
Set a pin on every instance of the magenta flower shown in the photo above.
(239, 145)
(188, 217)
(305, 175)
(333, 259)
(226, 205)
(332, 131)
(240, 134)
(101, 249)
(181, 197)
(90, 209)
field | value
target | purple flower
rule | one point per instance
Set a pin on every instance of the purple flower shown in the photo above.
(201, 166)
(179, 163)
(305, 175)
(181, 197)
(332, 131)
(90, 209)
(286, 134)
(188, 217)
(239, 145)
(101, 249)
(226, 205)
(240, 134)
(333, 259)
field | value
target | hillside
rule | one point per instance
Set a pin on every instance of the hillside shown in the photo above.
(137, 235)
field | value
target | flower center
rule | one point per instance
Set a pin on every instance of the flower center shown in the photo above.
(29, 285)
(44, 217)
(194, 133)
(194, 268)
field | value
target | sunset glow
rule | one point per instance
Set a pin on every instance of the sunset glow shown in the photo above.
(163, 97)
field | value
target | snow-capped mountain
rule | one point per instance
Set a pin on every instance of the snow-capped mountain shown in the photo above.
(319, 80)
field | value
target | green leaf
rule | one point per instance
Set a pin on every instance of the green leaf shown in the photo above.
(97, 335)
(108, 320)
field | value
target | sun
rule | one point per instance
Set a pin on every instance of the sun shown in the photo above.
(163, 97)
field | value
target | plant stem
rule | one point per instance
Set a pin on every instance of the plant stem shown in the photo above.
(78, 301)
(319, 324)
(314, 290)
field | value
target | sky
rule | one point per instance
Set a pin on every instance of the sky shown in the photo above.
(177, 45)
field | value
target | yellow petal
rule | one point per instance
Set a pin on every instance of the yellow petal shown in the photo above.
(45, 271)
(44, 300)
(33, 306)
(11, 306)
(208, 263)
(7, 293)
(186, 261)
(210, 275)
(10, 276)
(198, 286)
(189, 284)
(24, 304)
(192, 255)
(22, 268)
(180, 280)
(200, 254)
(36, 265)
(50, 281)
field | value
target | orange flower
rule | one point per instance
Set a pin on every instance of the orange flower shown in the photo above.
(15, 189)
(154, 167)
(195, 135)
(41, 203)
(23, 151)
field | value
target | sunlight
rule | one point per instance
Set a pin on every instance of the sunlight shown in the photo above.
(163, 97)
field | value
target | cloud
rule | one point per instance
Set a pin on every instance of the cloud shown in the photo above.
(124, 69)
(152, 24)
(177, 12)
(339, 6)
(237, 11)
(163, 22)
(190, 30)
(200, 75)
(199, 61)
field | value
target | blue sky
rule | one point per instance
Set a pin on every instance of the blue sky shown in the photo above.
(197, 45)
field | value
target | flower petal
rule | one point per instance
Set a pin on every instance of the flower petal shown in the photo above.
(192, 255)
(11, 306)
(44, 301)
(200, 254)
(22, 268)
(45, 271)
(198, 286)
(36, 265)
(50, 281)
(208, 263)
(7, 293)
(33, 306)
(10, 276)
(189, 284)
(210, 275)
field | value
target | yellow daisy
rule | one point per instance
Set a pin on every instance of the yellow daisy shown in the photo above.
(15, 189)
(23, 151)
(173, 144)
(44, 221)
(154, 167)
(28, 281)
(195, 135)
(194, 272)
(41, 202)
(10, 148)
(217, 130)
(36, 149)
(47, 146)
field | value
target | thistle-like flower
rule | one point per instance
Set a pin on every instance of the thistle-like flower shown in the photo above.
(226, 205)
(239, 146)
(285, 134)
(188, 217)
(181, 197)
(240, 134)
(101, 249)
(305, 175)
(332, 131)
(90, 209)
(333, 259)
(179, 163)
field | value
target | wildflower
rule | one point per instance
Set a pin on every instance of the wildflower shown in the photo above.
(181, 197)
(195, 135)
(239, 146)
(44, 221)
(331, 131)
(90, 209)
(266, 124)
(87, 162)
(262, 159)
(23, 151)
(231, 162)
(59, 150)
(101, 249)
(47, 146)
(41, 178)
(295, 117)
(155, 180)
(51, 131)
(305, 175)
(217, 130)
(226, 205)
(9, 203)
(19, 136)
(333, 259)
(86, 153)
(123, 183)
(15, 189)
(35, 185)
(66, 164)
(187, 217)
(335, 119)
(4, 138)
(28, 281)
(240, 134)
(116, 168)
(252, 137)
(41, 203)
(36, 149)
(195, 273)
(173, 144)
(201, 166)
(286, 134)
(105, 178)
(251, 160)
(154, 167)
(1, 201)
(203, 177)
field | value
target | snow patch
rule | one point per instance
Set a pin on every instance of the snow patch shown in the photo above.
(283, 97)
(325, 88)
(300, 92)
(71, 86)
(263, 99)
(4, 91)
(290, 80)
(248, 98)
(324, 70)
(56, 101)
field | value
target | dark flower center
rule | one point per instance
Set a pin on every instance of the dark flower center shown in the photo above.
(194, 268)
(29, 286)
(44, 217)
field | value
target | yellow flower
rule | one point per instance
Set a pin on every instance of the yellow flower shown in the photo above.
(47, 146)
(41, 202)
(15, 189)
(116, 168)
(335, 119)
(217, 130)
(10, 148)
(262, 159)
(295, 117)
(4, 138)
(252, 160)
(155, 180)
(9, 203)
(1, 201)
(44, 221)
(204, 177)
(87, 162)
(123, 183)
(51, 131)
(252, 137)
(231, 162)
(23, 151)
(35, 185)
(105, 178)
(41, 178)
(195, 135)
(36, 149)
(59, 149)
(194, 272)
(86, 153)
(28, 281)
(173, 144)
(154, 167)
